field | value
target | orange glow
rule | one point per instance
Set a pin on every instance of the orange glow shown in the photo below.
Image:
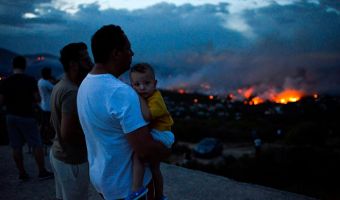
(181, 91)
(230, 96)
(246, 93)
(256, 101)
(211, 97)
(195, 100)
(289, 95)
(316, 96)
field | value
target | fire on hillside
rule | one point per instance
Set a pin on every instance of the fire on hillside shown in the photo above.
(251, 96)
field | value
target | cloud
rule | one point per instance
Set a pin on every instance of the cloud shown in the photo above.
(263, 45)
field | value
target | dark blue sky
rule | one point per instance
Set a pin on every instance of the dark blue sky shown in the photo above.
(226, 44)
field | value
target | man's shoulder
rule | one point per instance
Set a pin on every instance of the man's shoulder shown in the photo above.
(21, 78)
(64, 86)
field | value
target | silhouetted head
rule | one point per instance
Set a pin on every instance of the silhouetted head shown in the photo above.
(72, 52)
(46, 73)
(111, 46)
(19, 62)
(76, 60)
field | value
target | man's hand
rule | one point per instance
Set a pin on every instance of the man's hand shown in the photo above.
(146, 147)
(145, 109)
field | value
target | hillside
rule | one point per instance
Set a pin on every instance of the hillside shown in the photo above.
(35, 62)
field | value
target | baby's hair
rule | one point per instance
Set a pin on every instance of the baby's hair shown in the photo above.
(142, 68)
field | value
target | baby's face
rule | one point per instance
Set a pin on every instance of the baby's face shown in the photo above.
(143, 83)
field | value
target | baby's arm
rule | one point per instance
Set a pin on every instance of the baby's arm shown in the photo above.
(145, 109)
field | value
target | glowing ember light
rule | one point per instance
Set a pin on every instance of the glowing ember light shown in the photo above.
(230, 96)
(181, 91)
(40, 58)
(248, 92)
(256, 101)
(316, 96)
(211, 97)
(195, 100)
(289, 95)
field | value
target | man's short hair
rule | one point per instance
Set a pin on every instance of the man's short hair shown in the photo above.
(19, 62)
(142, 68)
(105, 40)
(71, 52)
(46, 73)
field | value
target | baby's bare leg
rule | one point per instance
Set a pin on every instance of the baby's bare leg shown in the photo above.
(157, 179)
(138, 173)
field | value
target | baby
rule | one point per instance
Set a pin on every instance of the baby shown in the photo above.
(154, 110)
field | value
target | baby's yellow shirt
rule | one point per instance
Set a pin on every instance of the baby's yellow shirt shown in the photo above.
(160, 116)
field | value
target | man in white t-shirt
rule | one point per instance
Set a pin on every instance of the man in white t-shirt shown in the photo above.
(111, 118)
(45, 89)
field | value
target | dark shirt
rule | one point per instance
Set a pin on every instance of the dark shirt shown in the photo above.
(64, 100)
(18, 91)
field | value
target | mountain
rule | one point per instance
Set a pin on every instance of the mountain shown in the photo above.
(35, 62)
(6, 57)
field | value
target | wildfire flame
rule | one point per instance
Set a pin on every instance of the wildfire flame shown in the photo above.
(181, 91)
(256, 101)
(252, 96)
(286, 96)
(246, 93)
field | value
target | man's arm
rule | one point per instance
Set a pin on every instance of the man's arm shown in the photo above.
(37, 97)
(145, 109)
(146, 147)
(71, 132)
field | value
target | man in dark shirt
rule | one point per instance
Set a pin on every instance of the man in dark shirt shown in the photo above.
(19, 93)
(68, 151)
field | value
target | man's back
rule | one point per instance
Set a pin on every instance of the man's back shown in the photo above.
(45, 90)
(63, 100)
(108, 109)
(19, 90)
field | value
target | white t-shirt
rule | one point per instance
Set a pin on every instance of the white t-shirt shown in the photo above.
(108, 109)
(45, 90)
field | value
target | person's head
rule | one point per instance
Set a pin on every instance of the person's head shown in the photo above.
(110, 46)
(142, 78)
(46, 73)
(76, 60)
(19, 62)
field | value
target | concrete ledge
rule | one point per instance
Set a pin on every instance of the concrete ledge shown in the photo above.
(180, 184)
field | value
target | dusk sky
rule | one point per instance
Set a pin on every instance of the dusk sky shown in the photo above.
(218, 46)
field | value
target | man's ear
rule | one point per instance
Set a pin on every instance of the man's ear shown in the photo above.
(114, 53)
(155, 82)
(73, 66)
